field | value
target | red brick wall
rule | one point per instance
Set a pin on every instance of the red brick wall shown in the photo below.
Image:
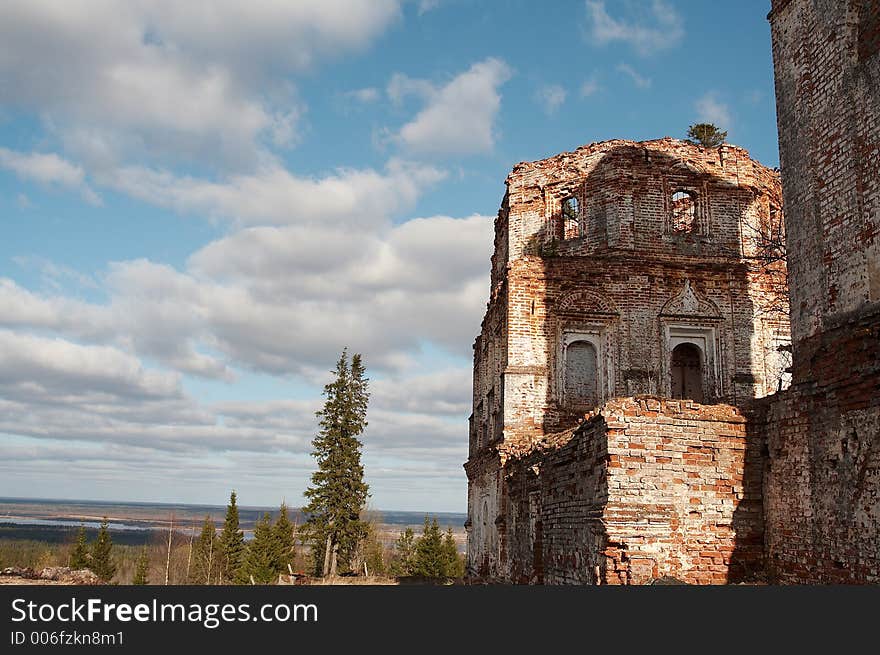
(648, 488)
(822, 486)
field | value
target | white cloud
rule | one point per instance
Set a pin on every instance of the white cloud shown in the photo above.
(203, 82)
(443, 392)
(550, 97)
(333, 287)
(47, 365)
(633, 74)
(710, 109)
(459, 117)
(48, 169)
(646, 32)
(273, 195)
(283, 300)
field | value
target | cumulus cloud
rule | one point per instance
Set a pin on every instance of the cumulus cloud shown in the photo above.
(710, 109)
(281, 300)
(174, 80)
(458, 117)
(647, 32)
(633, 74)
(274, 195)
(49, 169)
(443, 393)
(550, 97)
(50, 365)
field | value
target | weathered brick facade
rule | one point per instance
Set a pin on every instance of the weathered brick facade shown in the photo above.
(648, 487)
(626, 269)
(822, 484)
(642, 268)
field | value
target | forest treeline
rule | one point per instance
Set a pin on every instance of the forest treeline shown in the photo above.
(190, 555)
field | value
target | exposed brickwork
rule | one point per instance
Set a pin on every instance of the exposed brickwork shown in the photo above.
(647, 488)
(627, 279)
(822, 486)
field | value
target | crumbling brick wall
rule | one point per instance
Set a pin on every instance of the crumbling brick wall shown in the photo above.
(647, 488)
(621, 278)
(822, 488)
(822, 485)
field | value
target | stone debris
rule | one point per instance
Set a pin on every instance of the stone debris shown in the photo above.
(51, 574)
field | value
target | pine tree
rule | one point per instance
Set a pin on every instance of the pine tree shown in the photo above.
(205, 555)
(338, 492)
(231, 545)
(282, 533)
(141, 570)
(373, 551)
(430, 559)
(453, 562)
(102, 554)
(706, 134)
(79, 557)
(261, 553)
(404, 554)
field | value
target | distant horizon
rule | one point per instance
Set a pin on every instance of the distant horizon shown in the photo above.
(185, 504)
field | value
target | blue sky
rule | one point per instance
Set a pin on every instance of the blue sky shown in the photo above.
(200, 208)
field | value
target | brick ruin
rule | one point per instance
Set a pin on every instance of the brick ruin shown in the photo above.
(626, 274)
(822, 484)
(631, 412)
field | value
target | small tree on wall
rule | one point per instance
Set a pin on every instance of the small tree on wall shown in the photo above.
(706, 134)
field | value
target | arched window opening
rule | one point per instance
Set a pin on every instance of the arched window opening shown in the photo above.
(686, 372)
(581, 374)
(684, 204)
(571, 218)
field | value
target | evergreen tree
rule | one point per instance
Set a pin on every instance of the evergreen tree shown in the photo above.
(79, 557)
(282, 533)
(453, 562)
(205, 555)
(231, 545)
(373, 551)
(706, 134)
(260, 560)
(102, 554)
(430, 558)
(338, 492)
(404, 554)
(141, 570)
